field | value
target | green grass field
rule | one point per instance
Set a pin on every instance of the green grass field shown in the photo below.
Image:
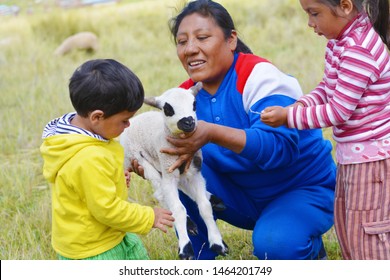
(33, 85)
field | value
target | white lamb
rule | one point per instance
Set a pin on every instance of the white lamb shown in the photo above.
(142, 141)
(80, 41)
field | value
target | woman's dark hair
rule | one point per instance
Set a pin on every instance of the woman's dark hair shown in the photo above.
(208, 8)
(377, 11)
(107, 85)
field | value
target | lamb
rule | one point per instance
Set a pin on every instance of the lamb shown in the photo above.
(142, 141)
(80, 41)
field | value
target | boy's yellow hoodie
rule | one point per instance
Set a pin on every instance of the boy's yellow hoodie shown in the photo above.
(90, 211)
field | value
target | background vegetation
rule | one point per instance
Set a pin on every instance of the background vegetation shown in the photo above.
(33, 90)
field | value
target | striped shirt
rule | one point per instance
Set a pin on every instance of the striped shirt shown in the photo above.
(354, 95)
(62, 125)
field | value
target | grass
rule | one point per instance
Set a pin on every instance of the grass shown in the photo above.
(33, 87)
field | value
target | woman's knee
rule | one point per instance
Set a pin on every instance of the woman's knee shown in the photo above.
(268, 246)
(283, 245)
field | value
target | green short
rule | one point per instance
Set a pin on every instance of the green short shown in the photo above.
(131, 248)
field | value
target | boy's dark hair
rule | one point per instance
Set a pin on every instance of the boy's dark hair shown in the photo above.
(107, 85)
(208, 8)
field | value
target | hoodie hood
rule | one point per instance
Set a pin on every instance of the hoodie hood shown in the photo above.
(61, 141)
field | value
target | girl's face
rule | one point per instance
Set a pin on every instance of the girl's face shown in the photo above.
(204, 51)
(327, 21)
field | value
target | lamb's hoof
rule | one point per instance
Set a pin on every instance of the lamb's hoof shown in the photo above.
(187, 252)
(192, 228)
(221, 250)
(217, 203)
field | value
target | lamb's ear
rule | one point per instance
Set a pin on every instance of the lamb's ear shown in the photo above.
(196, 88)
(152, 101)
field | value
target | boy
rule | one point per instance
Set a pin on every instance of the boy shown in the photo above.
(91, 217)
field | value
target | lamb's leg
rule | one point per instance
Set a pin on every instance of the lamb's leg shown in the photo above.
(153, 175)
(192, 228)
(169, 190)
(195, 188)
(166, 192)
(216, 203)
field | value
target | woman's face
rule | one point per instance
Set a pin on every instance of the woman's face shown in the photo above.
(204, 51)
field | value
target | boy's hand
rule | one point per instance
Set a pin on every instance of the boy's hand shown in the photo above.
(162, 219)
(137, 168)
(128, 177)
(274, 116)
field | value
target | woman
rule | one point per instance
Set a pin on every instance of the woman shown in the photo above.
(277, 182)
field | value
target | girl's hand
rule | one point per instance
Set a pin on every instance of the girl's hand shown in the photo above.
(274, 116)
(296, 104)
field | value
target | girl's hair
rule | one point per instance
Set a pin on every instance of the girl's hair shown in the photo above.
(208, 8)
(107, 85)
(377, 11)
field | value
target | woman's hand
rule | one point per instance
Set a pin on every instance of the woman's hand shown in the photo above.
(187, 145)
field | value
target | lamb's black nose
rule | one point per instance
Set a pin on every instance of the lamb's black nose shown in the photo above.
(186, 124)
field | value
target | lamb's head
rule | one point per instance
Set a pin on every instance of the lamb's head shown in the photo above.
(178, 106)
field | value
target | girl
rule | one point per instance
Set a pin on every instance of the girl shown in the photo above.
(353, 98)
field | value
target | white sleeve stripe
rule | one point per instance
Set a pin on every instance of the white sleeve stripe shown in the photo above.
(266, 80)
